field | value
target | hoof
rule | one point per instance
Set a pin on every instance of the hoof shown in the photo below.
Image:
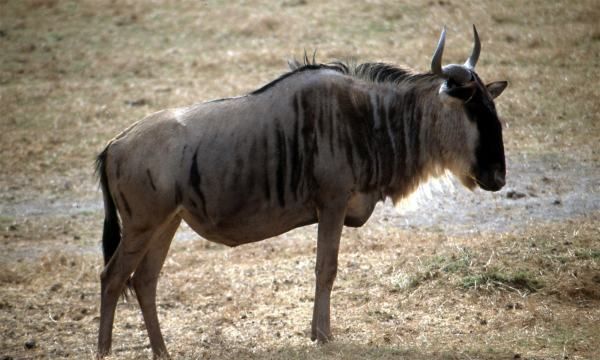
(161, 355)
(321, 337)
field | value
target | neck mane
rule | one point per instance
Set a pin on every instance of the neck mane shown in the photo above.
(410, 153)
(397, 154)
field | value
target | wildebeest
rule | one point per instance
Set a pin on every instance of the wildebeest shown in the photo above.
(322, 143)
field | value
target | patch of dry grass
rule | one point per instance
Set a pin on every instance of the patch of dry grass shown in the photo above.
(255, 302)
(75, 73)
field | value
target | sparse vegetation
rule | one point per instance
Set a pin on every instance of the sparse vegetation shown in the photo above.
(521, 280)
(75, 73)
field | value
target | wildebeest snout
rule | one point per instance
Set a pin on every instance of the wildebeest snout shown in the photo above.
(492, 179)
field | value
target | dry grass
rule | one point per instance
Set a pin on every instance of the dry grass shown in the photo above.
(74, 73)
(255, 302)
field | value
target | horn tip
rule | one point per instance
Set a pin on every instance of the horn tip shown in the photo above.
(443, 34)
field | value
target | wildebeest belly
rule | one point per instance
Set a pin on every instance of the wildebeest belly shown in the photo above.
(254, 223)
(249, 225)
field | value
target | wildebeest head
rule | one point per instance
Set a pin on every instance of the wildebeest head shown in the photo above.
(463, 88)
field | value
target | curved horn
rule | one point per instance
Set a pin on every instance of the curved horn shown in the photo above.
(472, 61)
(436, 61)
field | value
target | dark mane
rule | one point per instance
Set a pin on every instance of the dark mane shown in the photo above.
(377, 72)
(382, 73)
(306, 67)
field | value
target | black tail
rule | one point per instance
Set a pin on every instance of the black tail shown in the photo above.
(111, 235)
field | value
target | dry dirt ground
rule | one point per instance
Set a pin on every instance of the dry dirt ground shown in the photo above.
(450, 275)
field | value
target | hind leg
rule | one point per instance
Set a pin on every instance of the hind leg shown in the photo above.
(128, 255)
(145, 280)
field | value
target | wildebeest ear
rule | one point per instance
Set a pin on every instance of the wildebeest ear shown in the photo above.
(496, 88)
(463, 93)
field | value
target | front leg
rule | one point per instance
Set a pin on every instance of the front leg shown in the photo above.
(331, 221)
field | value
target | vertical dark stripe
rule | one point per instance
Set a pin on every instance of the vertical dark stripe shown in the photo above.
(310, 146)
(250, 174)
(178, 195)
(373, 180)
(415, 132)
(365, 109)
(356, 112)
(295, 156)
(183, 155)
(411, 132)
(386, 149)
(295, 105)
(376, 126)
(320, 113)
(196, 181)
(349, 147)
(150, 179)
(118, 173)
(308, 125)
(390, 128)
(406, 122)
(332, 125)
(126, 204)
(266, 167)
(238, 171)
(400, 126)
(281, 162)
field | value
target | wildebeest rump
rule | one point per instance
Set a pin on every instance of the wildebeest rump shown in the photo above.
(322, 144)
